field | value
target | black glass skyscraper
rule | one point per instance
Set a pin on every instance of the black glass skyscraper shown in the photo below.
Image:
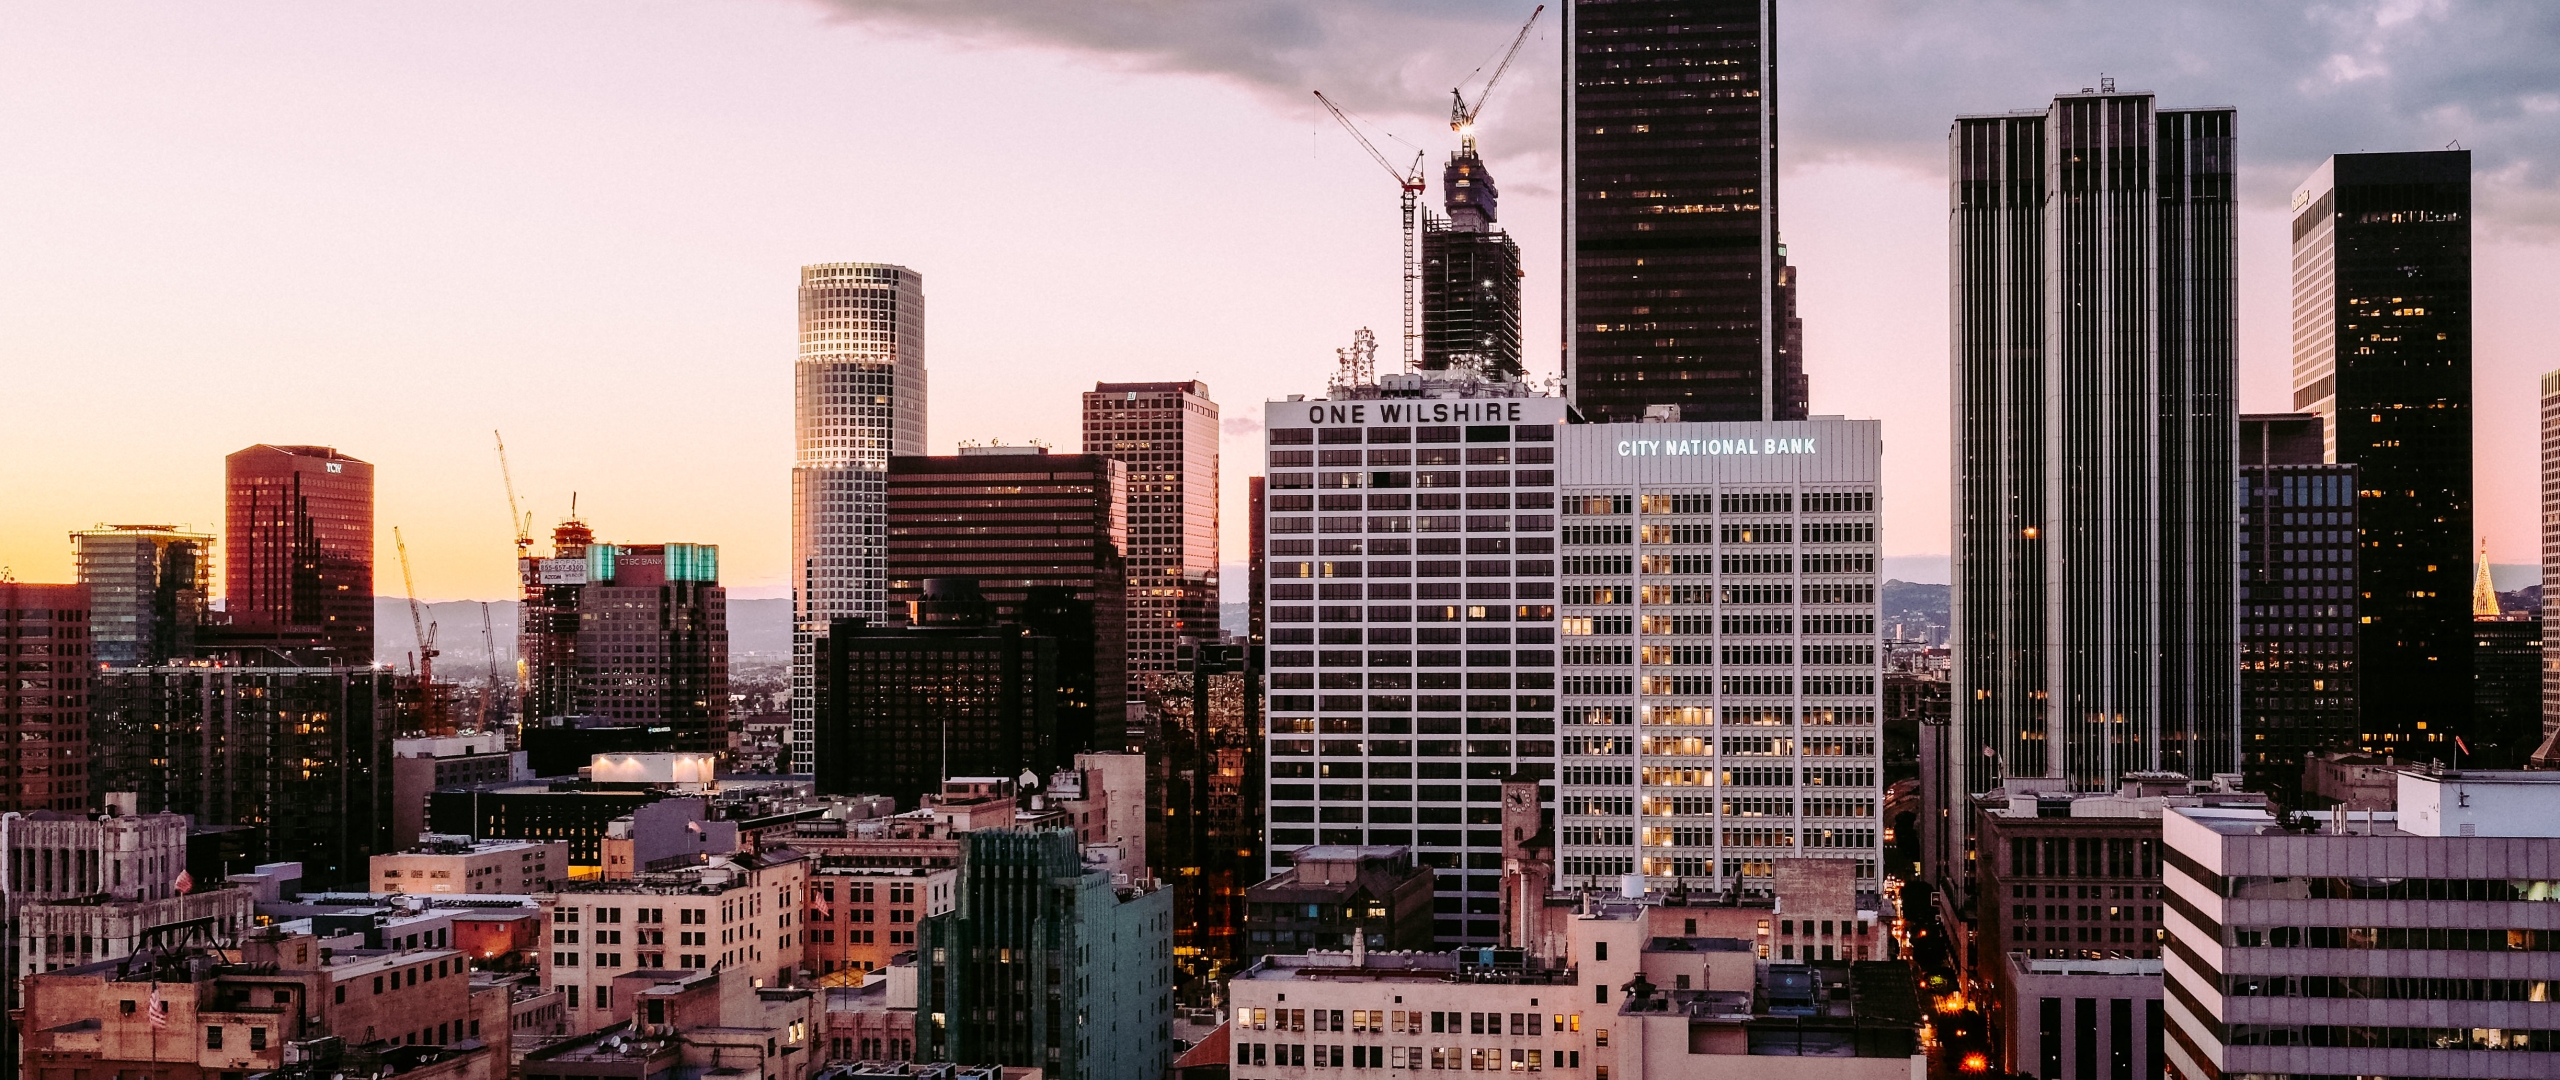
(2382, 351)
(1672, 281)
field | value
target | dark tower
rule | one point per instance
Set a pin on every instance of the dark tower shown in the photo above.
(2382, 351)
(1673, 284)
(1470, 276)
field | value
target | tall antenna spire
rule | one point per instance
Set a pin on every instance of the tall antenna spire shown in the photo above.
(2484, 596)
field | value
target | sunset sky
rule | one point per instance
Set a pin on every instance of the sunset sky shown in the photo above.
(394, 228)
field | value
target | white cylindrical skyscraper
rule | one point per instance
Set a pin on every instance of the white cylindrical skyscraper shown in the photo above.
(858, 397)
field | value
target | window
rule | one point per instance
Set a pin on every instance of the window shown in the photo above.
(213, 1037)
(257, 1038)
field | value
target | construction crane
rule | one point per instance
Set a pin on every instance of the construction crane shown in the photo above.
(425, 661)
(489, 643)
(522, 522)
(1462, 116)
(1410, 180)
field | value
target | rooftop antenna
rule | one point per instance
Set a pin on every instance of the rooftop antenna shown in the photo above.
(1358, 362)
(2106, 83)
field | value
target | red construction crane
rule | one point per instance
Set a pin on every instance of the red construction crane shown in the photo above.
(1462, 116)
(1410, 180)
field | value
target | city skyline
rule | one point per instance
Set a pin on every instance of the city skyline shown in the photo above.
(488, 350)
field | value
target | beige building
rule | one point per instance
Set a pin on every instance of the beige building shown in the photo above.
(1610, 989)
(739, 912)
(459, 864)
(860, 917)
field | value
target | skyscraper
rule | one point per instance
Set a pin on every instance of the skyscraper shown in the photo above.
(2550, 554)
(1470, 275)
(298, 550)
(858, 399)
(1167, 434)
(1411, 555)
(2092, 268)
(150, 587)
(652, 642)
(1673, 269)
(2382, 351)
(44, 710)
(1718, 660)
(1042, 535)
(2298, 671)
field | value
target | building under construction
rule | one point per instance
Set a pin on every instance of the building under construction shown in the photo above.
(150, 587)
(1470, 276)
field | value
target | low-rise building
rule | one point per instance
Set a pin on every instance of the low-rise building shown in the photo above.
(2415, 942)
(197, 1013)
(876, 1020)
(858, 918)
(737, 912)
(708, 1023)
(441, 863)
(2080, 1012)
(1717, 1009)
(421, 767)
(1329, 893)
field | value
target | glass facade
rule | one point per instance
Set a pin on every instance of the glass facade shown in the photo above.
(1042, 534)
(2382, 351)
(2298, 618)
(902, 709)
(302, 755)
(1671, 212)
(150, 587)
(298, 547)
(858, 400)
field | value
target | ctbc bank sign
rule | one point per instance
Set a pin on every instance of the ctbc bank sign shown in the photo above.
(1712, 447)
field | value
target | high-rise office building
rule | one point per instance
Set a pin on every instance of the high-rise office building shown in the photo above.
(150, 587)
(301, 755)
(1675, 292)
(653, 641)
(1042, 534)
(2550, 554)
(2298, 606)
(298, 551)
(1719, 661)
(858, 400)
(44, 708)
(1167, 435)
(1412, 623)
(2092, 266)
(2382, 351)
(1470, 276)
(952, 693)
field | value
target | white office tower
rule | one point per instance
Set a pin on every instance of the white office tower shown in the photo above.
(1719, 674)
(858, 397)
(1411, 531)
(2421, 941)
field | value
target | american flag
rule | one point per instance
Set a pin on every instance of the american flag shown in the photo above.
(159, 1009)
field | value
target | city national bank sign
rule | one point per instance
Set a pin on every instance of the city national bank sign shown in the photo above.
(1713, 447)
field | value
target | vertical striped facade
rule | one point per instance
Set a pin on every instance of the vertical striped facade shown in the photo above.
(2092, 325)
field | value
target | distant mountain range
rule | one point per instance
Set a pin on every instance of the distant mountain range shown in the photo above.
(759, 631)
